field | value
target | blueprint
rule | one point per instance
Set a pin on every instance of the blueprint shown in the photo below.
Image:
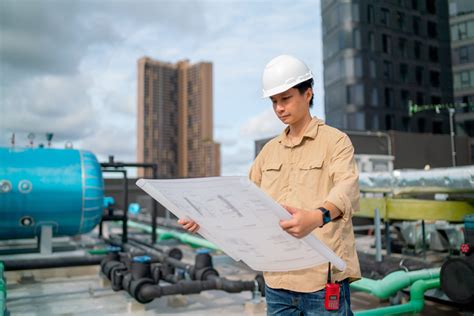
(242, 220)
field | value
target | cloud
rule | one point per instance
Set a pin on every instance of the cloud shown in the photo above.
(52, 36)
(71, 66)
(49, 104)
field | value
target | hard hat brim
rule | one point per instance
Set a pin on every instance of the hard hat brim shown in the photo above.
(282, 88)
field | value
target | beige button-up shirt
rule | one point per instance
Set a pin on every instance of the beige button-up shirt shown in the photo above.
(319, 168)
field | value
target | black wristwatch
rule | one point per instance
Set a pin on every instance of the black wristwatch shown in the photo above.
(326, 215)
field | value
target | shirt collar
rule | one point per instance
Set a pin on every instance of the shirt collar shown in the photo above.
(310, 132)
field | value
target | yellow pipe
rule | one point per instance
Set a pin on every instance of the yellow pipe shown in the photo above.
(415, 209)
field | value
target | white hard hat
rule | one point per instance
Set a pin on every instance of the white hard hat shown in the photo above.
(282, 73)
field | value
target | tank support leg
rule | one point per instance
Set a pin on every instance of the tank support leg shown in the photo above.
(46, 240)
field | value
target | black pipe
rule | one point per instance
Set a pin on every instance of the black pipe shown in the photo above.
(141, 278)
(125, 208)
(54, 262)
(113, 218)
(127, 164)
(158, 253)
(147, 292)
(154, 212)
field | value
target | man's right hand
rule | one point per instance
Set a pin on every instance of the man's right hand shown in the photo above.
(188, 224)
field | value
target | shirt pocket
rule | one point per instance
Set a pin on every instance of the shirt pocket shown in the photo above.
(310, 173)
(270, 175)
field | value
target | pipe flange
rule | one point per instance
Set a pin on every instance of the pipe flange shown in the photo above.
(25, 186)
(5, 186)
(116, 278)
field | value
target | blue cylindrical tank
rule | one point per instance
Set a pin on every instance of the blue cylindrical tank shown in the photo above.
(62, 188)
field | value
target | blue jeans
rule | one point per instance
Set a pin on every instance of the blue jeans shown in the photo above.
(288, 303)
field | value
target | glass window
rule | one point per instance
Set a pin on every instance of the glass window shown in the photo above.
(404, 73)
(431, 6)
(421, 125)
(389, 120)
(375, 122)
(432, 28)
(387, 43)
(401, 20)
(356, 121)
(417, 50)
(465, 79)
(435, 100)
(437, 127)
(434, 78)
(371, 41)
(404, 97)
(420, 99)
(416, 25)
(355, 94)
(406, 123)
(333, 44)
(355, 12)
(345, 13)
(388, 95)
(374, 98)
(463, 54)
(356, 39)
(387, 70)
(370, 14)
(470, 29)
(385, 16)
(459, 31)
(433, 53)
(334, 71)
(373, 69)
(462, 79)
(330, 19)
(354, 67)
(419, 75)
(402, 47)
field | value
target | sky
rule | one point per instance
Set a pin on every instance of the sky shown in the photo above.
(69, 67)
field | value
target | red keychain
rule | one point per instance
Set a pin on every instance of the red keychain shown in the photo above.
(331, 301)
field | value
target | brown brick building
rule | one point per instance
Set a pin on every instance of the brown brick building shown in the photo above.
(175, 119)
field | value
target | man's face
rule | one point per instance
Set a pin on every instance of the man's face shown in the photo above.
(291, 106)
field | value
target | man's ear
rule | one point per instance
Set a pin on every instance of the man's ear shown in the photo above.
(308, 94)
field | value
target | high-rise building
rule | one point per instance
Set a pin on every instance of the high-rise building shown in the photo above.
(175, 119)
(379, 56)
(462, 44)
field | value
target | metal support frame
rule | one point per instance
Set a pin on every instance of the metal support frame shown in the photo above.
(378, 237)
(120, 166)
(124, 217)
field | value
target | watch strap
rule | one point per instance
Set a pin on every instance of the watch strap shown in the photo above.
(326, 215)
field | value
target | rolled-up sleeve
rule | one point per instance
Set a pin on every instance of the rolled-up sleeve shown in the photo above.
(345, 177)
(255, 172)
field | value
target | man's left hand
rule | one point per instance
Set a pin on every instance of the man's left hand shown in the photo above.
(302, 223)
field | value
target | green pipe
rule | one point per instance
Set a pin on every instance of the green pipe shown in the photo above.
(3, 290)
(393, 282)
(102, 251)
(415, 305)
(163, 234)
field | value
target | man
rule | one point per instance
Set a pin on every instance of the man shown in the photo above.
(310, 170)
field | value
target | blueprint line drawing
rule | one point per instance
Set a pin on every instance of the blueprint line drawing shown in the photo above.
(242, 220)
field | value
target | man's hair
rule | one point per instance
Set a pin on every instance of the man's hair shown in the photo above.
(305, 85)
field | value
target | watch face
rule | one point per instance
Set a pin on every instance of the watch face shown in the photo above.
(326, 217)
